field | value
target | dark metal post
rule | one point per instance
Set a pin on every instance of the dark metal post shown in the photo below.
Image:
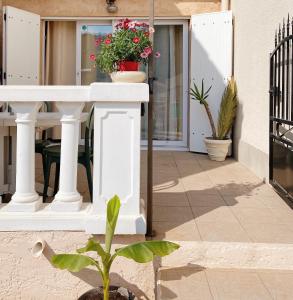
(150, 129)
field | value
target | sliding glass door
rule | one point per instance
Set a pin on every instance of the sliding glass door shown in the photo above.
(171, 76)
(170, 85)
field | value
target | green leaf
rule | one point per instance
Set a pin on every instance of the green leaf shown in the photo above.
(72, 262)
(113, 208)
(146, 251)
(93, 245)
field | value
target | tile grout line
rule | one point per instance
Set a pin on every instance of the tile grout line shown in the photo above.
(264, 285)
(187, 196)
(209, 285)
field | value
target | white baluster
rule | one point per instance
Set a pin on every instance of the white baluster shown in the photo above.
(68, 198)
(25, 198)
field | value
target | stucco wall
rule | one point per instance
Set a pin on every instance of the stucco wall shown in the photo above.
(93, 8)
(24, 277)
(255, 25)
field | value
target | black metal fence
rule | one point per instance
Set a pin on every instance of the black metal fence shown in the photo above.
(281, 109)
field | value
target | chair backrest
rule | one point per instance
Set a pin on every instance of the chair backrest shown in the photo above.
(89, 133)
(45, 108)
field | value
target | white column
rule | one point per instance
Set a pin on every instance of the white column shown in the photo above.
(68, 199)
(25, 198)
(117, 166)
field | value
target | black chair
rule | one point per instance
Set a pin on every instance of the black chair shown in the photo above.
(42, 143)
(52, 154)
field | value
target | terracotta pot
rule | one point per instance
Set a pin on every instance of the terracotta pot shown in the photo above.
(217, 149)
(115, 293)
(127, 65)
(128, 76)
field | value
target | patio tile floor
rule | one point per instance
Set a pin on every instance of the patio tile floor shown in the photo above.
(224, 284)
(199, 199)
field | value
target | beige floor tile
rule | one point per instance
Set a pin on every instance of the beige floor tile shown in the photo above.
(183, 284)
(170, 199)
(269, 233)
(170, 186)
(196, 199)
(175, 231)
(278, 283)
(220, 214)
(274, 201)
(236, 285)
(284, 214)
(222, 232)
(244, 201)
(232, 189)
(255, 215)
(172, 214)
(263, 190)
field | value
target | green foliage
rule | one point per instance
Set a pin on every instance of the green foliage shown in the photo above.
(145, 251)
(200, 94)
(72, 262)
(228, 110)
(128, 43)
(113, 209)
(141, 252)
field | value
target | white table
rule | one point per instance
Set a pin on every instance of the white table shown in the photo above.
(45, 120)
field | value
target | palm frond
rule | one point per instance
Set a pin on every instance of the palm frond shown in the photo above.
(228, 109)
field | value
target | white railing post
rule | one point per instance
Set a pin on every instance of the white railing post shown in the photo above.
(25, 198)
(68, 198)
(117, 156)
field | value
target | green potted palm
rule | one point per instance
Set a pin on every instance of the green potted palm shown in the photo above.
(218, 144)
(122, 53)
(141, 252)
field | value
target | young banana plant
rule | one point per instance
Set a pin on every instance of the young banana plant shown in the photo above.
(141, 252)
(201, 95)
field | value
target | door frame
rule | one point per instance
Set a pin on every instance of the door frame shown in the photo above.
(185, 49)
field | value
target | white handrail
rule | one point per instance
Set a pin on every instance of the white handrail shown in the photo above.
(116, 168)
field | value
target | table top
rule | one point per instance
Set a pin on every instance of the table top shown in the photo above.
(44, 119)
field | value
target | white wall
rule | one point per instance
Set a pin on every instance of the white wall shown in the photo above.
(255, 22)
(24, 277)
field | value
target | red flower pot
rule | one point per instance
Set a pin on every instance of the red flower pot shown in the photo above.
(127, 65)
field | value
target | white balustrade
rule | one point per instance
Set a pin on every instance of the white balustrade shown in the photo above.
(116, 168)
(68, 198)
(25, 197)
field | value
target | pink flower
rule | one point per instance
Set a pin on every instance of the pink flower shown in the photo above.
(148, 50)
(151, 29)
(157, 54)
(143, 55)
(107, 41)
(98, 41)
(133, 29)
(136, 40)
(92, 57)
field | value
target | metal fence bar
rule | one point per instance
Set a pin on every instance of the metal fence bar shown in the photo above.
(281, 110)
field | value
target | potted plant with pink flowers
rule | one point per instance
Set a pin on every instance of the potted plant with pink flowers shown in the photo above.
(122, 52)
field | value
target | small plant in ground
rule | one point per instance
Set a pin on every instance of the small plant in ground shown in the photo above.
(227, 111)
(141, 252)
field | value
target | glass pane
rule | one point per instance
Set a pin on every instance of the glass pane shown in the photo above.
(168, 94)
(89, 34)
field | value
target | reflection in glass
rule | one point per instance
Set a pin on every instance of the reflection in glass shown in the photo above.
(89, 35)
(168, 94)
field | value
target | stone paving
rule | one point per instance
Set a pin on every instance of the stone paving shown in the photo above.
(224, 284)
(198, 199)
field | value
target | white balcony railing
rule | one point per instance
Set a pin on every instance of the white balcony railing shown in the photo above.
(116, 166)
